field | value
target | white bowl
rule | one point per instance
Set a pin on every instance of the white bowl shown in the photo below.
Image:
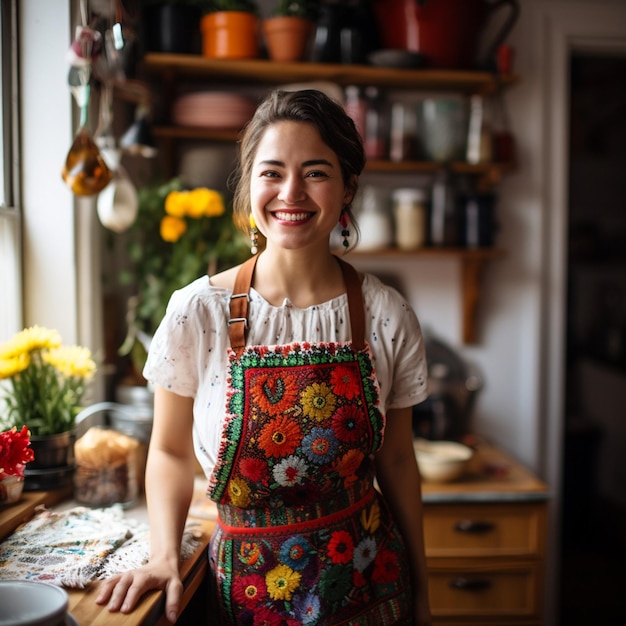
(32, 603)
(441, 461)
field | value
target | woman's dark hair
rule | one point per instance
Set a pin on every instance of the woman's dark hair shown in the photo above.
(335, 127)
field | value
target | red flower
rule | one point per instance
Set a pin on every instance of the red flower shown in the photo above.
(340, 547)
(385, 567)
(250, 591)
(345, 381)
(349, 423)
(255, 470)
(15, 451)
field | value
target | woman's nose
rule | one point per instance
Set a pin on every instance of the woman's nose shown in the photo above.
(292, 189)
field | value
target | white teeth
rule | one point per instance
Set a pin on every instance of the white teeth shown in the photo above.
(291, 217)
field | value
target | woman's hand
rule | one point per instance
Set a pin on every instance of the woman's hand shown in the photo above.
(124, 591)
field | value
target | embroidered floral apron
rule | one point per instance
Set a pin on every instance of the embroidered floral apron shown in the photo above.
(302, 536)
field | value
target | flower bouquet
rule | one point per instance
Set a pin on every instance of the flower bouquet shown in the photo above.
(42, 382)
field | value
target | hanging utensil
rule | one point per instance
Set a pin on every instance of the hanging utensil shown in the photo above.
(85, 172)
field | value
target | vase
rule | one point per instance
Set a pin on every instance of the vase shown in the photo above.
(53, 466)
(11, 488)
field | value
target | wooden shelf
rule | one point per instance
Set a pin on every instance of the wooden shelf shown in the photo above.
(259, 71)
(473, 262)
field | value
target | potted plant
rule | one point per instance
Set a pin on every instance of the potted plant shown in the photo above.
(42, 387)
(172, 26)
(15, 453)
(230, 29)
(288, 30)
(179, 235)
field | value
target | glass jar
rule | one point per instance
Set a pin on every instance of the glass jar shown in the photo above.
(410, 218)
(105, 468)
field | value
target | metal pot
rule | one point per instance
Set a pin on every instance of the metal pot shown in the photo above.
(453, 385)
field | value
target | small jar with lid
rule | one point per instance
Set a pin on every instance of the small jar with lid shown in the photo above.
(410, 217)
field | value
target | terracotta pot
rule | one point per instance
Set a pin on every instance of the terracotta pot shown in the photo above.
(287, 38)
(230, 35)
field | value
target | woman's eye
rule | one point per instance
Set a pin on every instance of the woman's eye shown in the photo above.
(316, 174)
(269, 174)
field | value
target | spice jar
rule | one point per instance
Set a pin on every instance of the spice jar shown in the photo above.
(410, 217)
(105, 468)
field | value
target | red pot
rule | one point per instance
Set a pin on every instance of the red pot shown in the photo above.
(446, 32)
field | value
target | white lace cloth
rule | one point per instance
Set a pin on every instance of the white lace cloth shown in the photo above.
(75, 547)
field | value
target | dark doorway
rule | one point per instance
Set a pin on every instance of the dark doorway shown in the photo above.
(593, 570)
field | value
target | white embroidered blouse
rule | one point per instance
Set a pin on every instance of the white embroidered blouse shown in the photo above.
(188, 354)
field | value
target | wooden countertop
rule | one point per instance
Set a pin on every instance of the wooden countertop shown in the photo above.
(491, 476)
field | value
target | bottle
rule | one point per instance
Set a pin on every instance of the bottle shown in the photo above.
(375, 125)
(444, 228)
(374, 221)
(403, 137)
(479, 137)
(355, 106)
(410, 218)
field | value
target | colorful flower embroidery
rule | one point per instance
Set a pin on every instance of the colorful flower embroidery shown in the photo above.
(349, 423)
(335, 583)
(250, 553)
(295, 553)
(290, 471)
(319, 445)
(340, 547)
(255, 470)
(385, 567)
(274, 393)
(239, 492)
(280, 436)
(250, 591)
(364, 554)
(345, 381)
(281, 582)
(370, 520)
(318, 401)
(307, 608)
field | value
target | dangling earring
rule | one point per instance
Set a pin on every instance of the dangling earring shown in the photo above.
(254, 236)
(344, 220)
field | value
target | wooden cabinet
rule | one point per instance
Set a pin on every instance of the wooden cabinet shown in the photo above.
(485, 541)
(171, 70)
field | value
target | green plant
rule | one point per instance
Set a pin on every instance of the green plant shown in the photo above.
(295, 8)
(43, 382)
(248, 6)
(178, 236)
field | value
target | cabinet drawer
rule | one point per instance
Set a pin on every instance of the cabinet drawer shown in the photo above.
(484, 530)
(487, 593)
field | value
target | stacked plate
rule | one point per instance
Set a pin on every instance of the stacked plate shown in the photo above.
(210, 109)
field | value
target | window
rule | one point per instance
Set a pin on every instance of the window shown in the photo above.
(10, 219)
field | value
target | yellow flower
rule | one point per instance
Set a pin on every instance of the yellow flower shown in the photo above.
(205, 202)
(172, 228)
(14, 365)
(281, 582)
(71, 361)
(176, 203)
(239, 492)
(28, 340)
(318, 401)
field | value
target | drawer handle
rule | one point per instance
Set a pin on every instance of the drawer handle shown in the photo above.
(470, 584)
(476, 528)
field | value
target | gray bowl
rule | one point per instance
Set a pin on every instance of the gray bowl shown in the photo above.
(32, 603)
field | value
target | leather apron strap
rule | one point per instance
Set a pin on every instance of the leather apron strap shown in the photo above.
(238, 322)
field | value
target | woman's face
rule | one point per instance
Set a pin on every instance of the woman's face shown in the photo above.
(297, 189)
